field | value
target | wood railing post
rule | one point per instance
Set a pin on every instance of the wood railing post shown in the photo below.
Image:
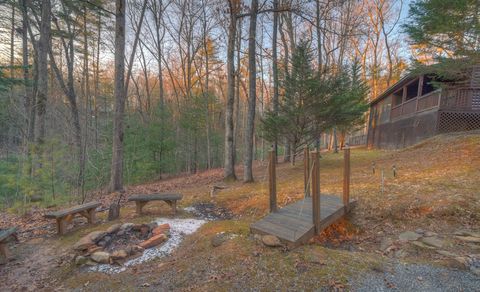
(306, 171)
(316, 191)
(272, 180)
(346, 177)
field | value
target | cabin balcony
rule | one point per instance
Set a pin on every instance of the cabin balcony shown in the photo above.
(425, 102)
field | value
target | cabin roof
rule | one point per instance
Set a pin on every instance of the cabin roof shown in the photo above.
(399, 84)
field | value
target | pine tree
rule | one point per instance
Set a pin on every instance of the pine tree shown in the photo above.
(448, 31)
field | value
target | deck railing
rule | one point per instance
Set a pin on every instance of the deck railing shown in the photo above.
(409, 107)
(461, 99)
(424, 102)
(428, 101)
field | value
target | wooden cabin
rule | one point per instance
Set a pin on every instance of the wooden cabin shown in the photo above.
(414, 109)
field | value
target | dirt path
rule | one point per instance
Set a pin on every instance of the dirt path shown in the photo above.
(32, 266)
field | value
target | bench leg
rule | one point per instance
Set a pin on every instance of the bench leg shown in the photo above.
(140, 206)
(3, 253)
(173, 204)
(91, 216)
(61, 225)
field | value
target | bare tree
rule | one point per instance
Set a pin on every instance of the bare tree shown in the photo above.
(229, 168)
(43, 48)
(252, 94)
(116, 178)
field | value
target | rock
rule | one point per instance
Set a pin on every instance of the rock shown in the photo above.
(83, 244)
(257, 237)
(409, 236)
(386, 243)
(433, 241)
(218, 239)
(88, 240)
(475, 271)
(419, 231)
(96, 235)
(94, 248)
(446, 253)
(468, 239)
(400, 253)
(134, 249)
(462, 260)
(162, 229)
(153, 241)
(422, 245)
(101, 257)
(271, 240)
(80, 260)
(467, 233)
(429, 234)
(114, 228)
(119, 254)
(126, 226)
(91, 263)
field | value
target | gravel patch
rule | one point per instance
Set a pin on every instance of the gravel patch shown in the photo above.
(413, 277)
(209, 211)
(178, 229)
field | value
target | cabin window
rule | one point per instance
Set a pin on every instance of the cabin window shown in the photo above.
(397, 97)
(412, 90)
(427, 85)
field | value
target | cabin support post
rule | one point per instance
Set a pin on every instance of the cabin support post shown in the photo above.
(272, 180)
(346, 177)
(306, 171)
(316, 191)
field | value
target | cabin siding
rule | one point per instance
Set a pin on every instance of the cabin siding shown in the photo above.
(408, 120)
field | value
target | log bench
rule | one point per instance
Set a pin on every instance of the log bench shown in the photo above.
(5, 236)
(65, 216)
(142, 200)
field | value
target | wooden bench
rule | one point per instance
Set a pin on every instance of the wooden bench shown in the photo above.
(5, 235)
(142, 200)
(65, 216)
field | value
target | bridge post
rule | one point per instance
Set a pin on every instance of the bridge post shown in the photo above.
(346, 177)
(316, 191)
(272, 180)
(306, 171)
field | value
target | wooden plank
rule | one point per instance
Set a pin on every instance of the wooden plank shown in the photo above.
(289, 222)
(72, 210)
(6, 233)
(346, 176)
(155, 197)
(274, 229)
(306, 171)
(294, 227)
(272, 180)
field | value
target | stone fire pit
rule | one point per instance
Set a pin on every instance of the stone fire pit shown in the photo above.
(119, 243)
(124, 245)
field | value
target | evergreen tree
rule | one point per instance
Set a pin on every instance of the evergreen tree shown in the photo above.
(293, 121)
(448, 31)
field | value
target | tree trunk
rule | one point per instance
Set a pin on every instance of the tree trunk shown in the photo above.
(116, 179)
(275, 68)
(28, 94)
(229, 168)
(252, 94)
(42, 91)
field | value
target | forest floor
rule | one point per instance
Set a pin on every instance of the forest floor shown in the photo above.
(435, 197)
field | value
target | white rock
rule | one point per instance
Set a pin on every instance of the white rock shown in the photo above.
(101, 257)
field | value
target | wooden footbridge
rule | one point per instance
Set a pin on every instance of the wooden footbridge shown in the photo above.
(298, 222)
